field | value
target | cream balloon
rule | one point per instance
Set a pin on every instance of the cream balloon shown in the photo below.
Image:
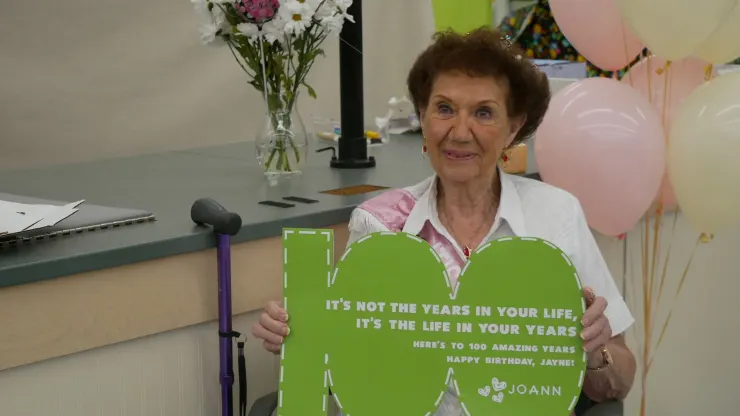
(702, 154)
(723, 46)
(674, 29)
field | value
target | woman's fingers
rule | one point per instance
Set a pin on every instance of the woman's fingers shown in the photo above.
(273, 348)
(276, 311)
(271, 326)
(589, 294)
(594, 331)
(594, 311)
(263, 333)
(596, 335)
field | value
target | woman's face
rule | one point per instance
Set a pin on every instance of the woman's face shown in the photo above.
(466, 126)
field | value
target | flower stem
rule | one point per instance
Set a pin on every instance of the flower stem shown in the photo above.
(287, 161)
(283, 161)
(269, 159)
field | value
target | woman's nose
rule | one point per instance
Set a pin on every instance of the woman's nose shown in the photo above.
(461, 130)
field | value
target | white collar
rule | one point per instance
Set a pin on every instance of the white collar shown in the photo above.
(509, 209)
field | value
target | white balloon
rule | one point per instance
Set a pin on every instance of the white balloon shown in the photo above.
(674, 29)
(723, 45)
(702, 154)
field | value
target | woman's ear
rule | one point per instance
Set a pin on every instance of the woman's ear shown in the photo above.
(515, 124)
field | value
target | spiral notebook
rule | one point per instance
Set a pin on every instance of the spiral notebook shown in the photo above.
(87, 218)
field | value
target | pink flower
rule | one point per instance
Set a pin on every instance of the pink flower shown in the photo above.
(259, 10)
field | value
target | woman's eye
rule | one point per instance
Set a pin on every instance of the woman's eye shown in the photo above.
(444, 109)
(484, 113)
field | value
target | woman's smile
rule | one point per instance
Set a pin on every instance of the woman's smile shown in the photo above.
(458, 155)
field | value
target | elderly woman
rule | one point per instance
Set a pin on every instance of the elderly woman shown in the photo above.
(476, 96)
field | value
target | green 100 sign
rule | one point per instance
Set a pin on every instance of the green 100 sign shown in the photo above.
(387, 331)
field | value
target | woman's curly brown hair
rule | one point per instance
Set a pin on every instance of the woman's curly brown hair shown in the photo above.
(484, 53)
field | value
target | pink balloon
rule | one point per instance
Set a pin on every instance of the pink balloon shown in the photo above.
(665, 194)
(602, 141)
(649, 76)
(596, 29)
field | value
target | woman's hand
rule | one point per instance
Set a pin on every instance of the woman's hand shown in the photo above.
(596, 328)
(272, 327)
(597, 333)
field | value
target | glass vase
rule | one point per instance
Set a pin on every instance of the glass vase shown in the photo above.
(281, 144)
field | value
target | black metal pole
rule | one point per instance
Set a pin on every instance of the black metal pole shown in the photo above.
(352, 143)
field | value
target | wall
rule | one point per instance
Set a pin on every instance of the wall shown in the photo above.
(695, 369)
(174, 373)
(85, 80)
(82, 80)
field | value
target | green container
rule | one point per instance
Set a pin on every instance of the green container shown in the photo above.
(462, 15)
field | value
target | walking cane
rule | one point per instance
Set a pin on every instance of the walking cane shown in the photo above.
(207, 212)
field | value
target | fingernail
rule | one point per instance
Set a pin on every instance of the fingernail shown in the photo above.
(583, 337)
(287, 330)
(585, 349)
(282, 340)
(286, 316)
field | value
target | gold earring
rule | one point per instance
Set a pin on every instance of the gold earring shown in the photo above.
(504, 160)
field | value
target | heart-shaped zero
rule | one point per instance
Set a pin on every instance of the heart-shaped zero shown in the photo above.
(485, 391)
(386, 329)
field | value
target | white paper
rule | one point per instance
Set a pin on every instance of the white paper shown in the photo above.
(54, 218)
(16, 217)
(58, 215)
(12, 222)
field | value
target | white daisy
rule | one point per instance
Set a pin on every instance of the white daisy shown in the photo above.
(327, 9)
(250, 30)
(333, 24)
(219, 17)
(297, 16)
(208, 32)
(343, 5)
(332, 16)
(212, 21)
(201, 9)
(274, 29)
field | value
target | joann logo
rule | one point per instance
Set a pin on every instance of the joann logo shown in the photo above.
(498, 389)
